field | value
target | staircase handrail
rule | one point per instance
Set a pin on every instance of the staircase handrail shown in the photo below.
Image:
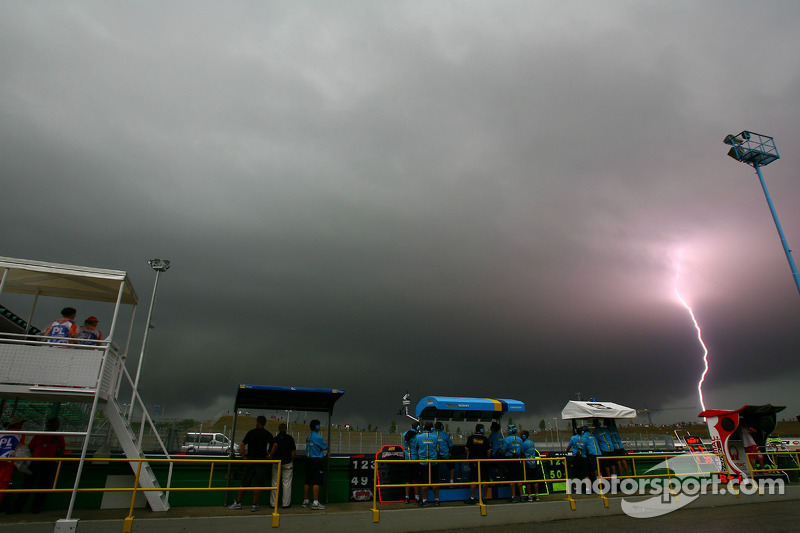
(146, 418)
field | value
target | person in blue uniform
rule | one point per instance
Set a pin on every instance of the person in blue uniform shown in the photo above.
(496, 442)
(445, 443)
(533, 467)
(88, 334)
(619, 449)
(603, 436)
(64, 329)
(425, 447)
(316, 448)
(410, 468)
(578, 448)
(592, 452)
(495, 439)
(511, 448)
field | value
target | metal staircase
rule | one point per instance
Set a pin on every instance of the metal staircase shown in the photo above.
(130, 445)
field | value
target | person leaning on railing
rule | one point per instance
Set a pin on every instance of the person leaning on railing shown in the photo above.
(578, 448)
(603, 436)
(592, 451)
(88, 334)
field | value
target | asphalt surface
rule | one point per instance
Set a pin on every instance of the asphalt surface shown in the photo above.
(742, 517)
(768, 517)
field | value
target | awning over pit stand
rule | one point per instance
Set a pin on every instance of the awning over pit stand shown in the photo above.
(268, 398)
(287, 398)
(466, 409)
(574, 410)
(577, 410)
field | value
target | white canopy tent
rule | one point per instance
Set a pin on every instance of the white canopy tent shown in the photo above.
(575, 410)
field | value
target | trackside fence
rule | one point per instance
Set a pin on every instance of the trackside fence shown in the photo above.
(637, 472)
(135, 489)
(476, 465)
(640, 471)
(783, 461)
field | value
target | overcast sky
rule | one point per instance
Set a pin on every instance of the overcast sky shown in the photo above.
(446, 198)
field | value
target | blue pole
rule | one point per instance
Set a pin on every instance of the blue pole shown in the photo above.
(780, 230)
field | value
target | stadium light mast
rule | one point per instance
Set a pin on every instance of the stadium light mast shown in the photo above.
(757, 151)
(159, 265)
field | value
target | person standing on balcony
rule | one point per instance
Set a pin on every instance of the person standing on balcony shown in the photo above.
(64, 328)
(88, 333)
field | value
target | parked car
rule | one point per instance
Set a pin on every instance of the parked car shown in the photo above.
(207, 443)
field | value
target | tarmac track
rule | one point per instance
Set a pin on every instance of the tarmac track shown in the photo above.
(743, 518)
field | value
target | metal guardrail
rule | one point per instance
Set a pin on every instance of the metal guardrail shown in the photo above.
(479, 483)
(677, 465)
(135, 489)
(701, 460)
(753, 459)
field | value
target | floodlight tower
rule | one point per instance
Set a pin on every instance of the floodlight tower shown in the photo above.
(159, 265)
(757, 151)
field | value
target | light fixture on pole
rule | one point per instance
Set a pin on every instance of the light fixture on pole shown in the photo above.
(159, 265)
(558, 435)
(757, 151)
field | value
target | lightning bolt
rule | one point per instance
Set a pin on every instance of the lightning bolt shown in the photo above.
(699, 335)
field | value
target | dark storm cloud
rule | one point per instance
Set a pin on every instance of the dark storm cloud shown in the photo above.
(450, 198)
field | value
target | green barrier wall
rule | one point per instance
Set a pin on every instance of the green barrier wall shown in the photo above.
(194, 475)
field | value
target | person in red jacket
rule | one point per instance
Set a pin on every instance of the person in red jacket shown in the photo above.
(43, 473)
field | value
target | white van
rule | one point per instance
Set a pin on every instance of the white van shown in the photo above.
(207, 443)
